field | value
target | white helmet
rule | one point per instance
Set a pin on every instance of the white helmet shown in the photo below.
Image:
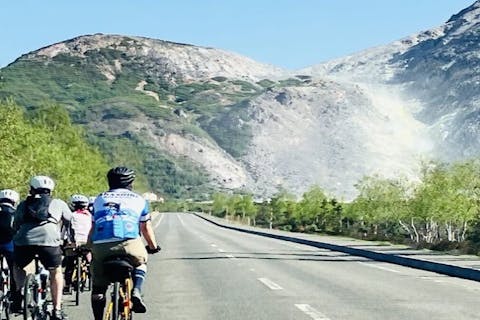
(78, 198)
(91, 200)
(42, 182)
(11, 195)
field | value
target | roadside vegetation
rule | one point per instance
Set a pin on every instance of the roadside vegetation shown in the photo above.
(46, 143)
(442, 212)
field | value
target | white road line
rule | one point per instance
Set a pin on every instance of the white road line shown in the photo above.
(159, 220)
(311, 312)
(378, 267)
(181, 220)
(270, 284)
(213, 245)
(251, 269)
(231, 256)
(221, 250)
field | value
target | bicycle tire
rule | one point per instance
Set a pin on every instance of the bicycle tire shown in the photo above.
(29, 299)
(7, 293)
(116, 298)
(78, 279)
(6, 306)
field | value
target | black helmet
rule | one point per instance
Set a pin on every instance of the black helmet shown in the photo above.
(120, 177)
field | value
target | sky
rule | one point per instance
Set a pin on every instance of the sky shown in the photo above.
(287, 33)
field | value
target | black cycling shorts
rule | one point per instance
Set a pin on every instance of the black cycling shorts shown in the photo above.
(50, 257)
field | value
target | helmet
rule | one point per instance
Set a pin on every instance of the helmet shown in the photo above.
(79, 199)
(42, 182)
(91, 199)
(11, 195)
(120, 177)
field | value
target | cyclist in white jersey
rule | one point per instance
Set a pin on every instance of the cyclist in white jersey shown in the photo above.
(119, 217)
(76, 236)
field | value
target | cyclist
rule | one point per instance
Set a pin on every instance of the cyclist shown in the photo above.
(8, 200)
(119, 217)
(91, 200)
(38, 222)
(76, 235)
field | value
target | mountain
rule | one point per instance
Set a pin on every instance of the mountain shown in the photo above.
(194, 119)
(436, 75)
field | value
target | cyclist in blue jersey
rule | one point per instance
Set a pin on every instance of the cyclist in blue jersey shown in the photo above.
(120, 216)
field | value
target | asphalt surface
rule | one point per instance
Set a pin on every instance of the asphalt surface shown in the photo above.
(208, 272)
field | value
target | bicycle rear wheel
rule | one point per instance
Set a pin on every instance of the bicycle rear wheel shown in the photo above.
(6, 292)
(116, 300)
(29, 298)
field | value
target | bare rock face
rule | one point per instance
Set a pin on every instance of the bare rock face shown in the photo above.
(180, 61)
(435, 73)
(332, 135)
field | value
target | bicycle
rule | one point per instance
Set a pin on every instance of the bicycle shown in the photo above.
(120, 275)
(81, 279)
(37, 303)
(5, 288)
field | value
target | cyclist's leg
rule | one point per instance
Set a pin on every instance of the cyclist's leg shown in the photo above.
(22, 256)
(69, 262)
(99, 281)
(98, 301)
(135, 249)
(51, 258)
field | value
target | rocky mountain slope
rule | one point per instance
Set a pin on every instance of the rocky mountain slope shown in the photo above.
(195, 119)
(436, 75)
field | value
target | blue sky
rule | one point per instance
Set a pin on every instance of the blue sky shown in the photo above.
(287, 33)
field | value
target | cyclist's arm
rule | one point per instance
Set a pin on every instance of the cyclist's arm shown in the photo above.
(18, 219)
(147, 232)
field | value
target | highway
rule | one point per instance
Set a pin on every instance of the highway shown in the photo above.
(208, 272)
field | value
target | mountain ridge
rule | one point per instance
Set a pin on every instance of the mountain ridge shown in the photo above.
(201, 119)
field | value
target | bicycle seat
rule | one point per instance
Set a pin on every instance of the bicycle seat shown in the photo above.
(119, 268)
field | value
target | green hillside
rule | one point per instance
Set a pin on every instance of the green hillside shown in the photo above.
(46, 143)
(110, 90)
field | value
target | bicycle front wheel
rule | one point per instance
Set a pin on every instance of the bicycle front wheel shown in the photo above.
(29, 298)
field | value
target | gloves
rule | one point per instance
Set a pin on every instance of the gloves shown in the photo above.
(153, 251)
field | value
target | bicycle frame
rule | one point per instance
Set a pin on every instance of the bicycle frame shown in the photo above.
(120, 305)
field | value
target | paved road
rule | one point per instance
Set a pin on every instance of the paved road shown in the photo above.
(208, 272)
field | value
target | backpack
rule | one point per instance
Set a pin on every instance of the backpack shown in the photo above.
(7, 214)
(36, 208)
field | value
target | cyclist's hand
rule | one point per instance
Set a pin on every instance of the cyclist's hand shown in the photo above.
(153, 251)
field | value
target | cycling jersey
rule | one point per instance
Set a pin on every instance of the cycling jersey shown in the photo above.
(117, 215)
(43, 234)
(81, 224)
